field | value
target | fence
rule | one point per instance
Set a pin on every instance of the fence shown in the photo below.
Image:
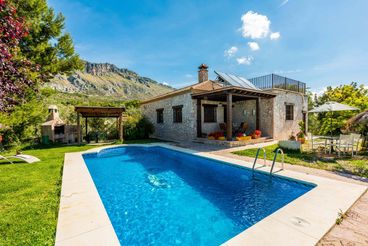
(276, 81)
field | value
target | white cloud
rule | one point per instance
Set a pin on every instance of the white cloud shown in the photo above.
(319, 92)
(288, 71)
(284, 2)
(253, 46)
(245, 60)
(165, 83)
(231, 52)
(255, 25)
(275, 36)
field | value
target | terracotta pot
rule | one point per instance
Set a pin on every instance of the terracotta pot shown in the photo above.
(301, 140)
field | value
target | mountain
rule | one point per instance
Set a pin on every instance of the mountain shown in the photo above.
(104, 79)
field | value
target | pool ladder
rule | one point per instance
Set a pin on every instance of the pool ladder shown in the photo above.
(278, 150)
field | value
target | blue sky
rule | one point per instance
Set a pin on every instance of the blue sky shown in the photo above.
(318, 42)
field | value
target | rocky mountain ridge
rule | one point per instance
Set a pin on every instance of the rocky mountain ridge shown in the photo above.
(106, 79)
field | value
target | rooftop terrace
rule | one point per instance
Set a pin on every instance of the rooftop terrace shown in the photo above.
(276, 81)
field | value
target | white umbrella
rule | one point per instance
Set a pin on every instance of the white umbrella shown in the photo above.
(331, 107)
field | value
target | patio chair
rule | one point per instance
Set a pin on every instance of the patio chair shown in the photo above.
(243, 127)
(344, 144)
(316, 142)
(26, 158)
(356, 140)
(222, 127)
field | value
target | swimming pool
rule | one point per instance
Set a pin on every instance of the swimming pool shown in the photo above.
(159, 196)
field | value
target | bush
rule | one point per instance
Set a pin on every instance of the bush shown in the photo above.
(9, 138)
(142, 129)
(136, 126)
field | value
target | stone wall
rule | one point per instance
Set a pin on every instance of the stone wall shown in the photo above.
(267, 117)
(284, 128)
(187, 130)
(243, 112)
(208, 127)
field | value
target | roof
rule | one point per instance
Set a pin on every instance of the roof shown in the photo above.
(239, 94)
(208, 85)
(96, 111)
(55, 122)
(235, 80)
(52, 107)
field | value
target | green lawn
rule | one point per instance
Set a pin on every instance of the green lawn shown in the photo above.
(357, 165)
(29, 196)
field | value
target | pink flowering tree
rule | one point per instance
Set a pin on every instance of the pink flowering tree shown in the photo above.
(17, 75)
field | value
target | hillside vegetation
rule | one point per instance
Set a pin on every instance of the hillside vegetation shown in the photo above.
(104, 79)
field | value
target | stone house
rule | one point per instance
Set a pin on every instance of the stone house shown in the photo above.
(273, 104)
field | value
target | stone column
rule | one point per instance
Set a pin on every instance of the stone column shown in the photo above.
(258, 113)
(229, 120)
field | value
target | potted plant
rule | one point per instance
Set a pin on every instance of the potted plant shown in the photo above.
(256, 134)
(301, 137)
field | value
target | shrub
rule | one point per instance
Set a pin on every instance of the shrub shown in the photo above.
(136, 126)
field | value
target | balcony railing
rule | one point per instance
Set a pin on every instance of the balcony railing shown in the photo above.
(276, 81)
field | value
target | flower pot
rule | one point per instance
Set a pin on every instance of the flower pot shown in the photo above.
(301, 140)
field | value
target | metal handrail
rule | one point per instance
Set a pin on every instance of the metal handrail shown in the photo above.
(274, 159)
(264, 157)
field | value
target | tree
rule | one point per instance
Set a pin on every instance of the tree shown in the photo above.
(351, 94)
(17, 75)
(47, 44)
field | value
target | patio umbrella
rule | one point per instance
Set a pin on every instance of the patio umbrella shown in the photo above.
(332, 107)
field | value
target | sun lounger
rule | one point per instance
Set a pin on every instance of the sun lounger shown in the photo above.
(26, 158)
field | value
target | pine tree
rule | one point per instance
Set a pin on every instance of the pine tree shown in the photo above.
(47, 43)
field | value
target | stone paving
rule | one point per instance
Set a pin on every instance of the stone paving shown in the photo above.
(353, 231)
(354, 228)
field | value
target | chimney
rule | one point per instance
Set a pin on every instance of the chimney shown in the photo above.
(202, 73)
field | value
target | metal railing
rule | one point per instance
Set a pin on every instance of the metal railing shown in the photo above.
(264, 158)
(280, 82)
(274, 159)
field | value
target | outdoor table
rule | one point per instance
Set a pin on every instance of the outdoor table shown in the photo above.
(331, 139)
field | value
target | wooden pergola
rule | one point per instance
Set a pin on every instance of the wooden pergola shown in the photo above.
(99, 112)
(229, 95)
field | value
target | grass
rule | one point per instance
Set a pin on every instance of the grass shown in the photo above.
(30, 193)
(357, 165)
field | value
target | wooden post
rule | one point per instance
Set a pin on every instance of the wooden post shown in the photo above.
(86, 122)
(117, 127)
(79, 128)
(258, 113)
(199, 118)
(120, 129)
(229, 120)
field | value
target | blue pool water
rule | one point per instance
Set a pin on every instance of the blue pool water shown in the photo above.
(158, 196)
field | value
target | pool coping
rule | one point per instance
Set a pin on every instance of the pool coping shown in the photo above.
(83, 219)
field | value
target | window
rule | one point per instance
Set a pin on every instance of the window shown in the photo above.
(210, 113)
(160, 115)
(177, 114)
(289, 112)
